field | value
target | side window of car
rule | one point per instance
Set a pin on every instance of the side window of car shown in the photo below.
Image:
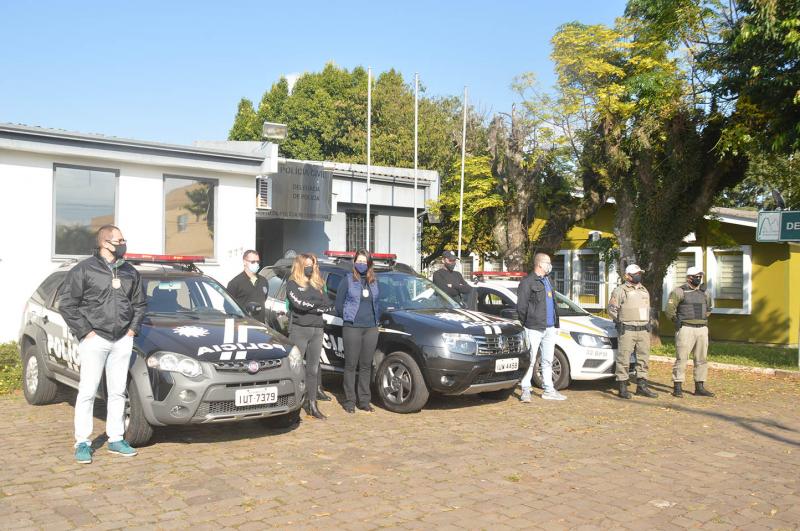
(59, 296)
(274, 285)
(44, 293)
(332, 284)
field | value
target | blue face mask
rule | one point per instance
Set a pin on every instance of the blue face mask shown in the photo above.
(361, 268)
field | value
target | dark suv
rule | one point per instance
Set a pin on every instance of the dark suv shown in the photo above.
(198, 357)
(427, 342)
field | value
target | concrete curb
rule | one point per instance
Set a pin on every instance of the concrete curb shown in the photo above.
(779, 373)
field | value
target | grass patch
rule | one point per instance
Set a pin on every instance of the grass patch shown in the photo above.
(10, 368)
(740, 354)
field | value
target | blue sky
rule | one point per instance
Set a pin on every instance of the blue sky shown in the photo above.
(173, 71)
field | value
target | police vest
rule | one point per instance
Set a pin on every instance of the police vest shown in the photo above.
(694, 306)
(635, 306)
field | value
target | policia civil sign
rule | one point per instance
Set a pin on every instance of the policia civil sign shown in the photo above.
(778, 226)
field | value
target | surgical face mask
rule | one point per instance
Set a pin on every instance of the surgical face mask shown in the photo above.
(253, 267)
(308, 271)
(361, 268)
(547, 268)
(119, 250)
(695, 281)
(636, 278)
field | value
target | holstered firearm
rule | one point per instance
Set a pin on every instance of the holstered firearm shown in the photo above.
(678, 324)
(620, 328)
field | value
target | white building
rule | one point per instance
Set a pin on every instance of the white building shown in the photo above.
(57, 187)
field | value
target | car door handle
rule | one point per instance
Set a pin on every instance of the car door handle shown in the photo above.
(45, 319)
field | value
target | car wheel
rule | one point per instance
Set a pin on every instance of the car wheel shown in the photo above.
(501, 394)
(279, 422)
(400, 384)
(37, 387)
(561, 378)
(137, 430)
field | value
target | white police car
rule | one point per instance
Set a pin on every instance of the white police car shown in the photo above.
(586, 345)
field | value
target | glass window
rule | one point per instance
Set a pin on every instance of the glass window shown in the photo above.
(44, 293)
(558, 272)
(683, 262)
(587, 279)
(188, 216)
(567, 308)
(189, 295)
(401, 291)
(84, 201)
(356, 229)
(729, 278)
(332, 283)
(466, 266)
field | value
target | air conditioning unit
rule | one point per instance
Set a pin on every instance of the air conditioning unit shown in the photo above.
(264, 193)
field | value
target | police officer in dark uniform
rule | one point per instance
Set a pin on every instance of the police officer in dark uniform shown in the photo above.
(452, 282)
(249, 286)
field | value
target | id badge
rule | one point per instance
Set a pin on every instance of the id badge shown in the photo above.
(116, 283)
(365, 293)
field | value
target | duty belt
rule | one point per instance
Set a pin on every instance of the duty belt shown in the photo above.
(695, 325)
(634, 328)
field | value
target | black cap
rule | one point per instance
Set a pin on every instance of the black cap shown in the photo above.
(449, 255)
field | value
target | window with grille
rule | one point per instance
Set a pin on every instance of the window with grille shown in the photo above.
(356, 230)
(557, 274)
(730, 277)
(466, 266)
(588, 277)
(683, 262)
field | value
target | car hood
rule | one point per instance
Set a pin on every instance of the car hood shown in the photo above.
(590, 324)
(212, 338)
(456, 321)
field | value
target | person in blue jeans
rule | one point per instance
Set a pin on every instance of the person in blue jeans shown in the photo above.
(538, 313)
(357, 305)
(103, 304)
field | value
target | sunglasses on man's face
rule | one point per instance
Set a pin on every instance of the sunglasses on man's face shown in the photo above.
(120, 242)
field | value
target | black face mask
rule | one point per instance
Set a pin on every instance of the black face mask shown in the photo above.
(450, 266)
(636, 278)
(695, 281)
(119, 250)
(308, 271)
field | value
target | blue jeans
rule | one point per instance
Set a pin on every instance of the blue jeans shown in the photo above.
(546, 339)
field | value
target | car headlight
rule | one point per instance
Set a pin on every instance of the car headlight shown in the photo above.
(460, 343)
(173, 362)
(591, 340)
(295, 360)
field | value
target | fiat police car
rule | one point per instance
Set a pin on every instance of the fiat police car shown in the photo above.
(198, 358)
(427, 342)
(586, 345)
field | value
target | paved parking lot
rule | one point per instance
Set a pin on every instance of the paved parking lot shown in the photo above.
(593, 461)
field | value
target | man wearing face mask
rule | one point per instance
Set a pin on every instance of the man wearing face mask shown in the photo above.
(249, 286)
(103, 303)
(689, 307)
(451, 281)
(629, 307)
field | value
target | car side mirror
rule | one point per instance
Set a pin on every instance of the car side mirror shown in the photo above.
(253, 308)
(508, 313)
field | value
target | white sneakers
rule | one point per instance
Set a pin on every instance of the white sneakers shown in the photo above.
(553, 395)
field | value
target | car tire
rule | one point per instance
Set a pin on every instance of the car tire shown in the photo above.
(561, 378)
(37, 387)
(400, 385)
(280, 422)
(500, 394)
(137, 430)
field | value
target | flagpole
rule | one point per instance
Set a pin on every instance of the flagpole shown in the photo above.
(416, 161)
(461, 195)
(369, 147)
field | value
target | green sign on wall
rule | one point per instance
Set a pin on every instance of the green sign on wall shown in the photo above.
(778, 226)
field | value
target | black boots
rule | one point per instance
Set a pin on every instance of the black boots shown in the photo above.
(321, 395)
(623, 389)
(311, 409)
(643, 390)
(700, 390)
(677, 390)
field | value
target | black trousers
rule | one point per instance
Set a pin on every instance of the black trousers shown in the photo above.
(359, 349)
(309, 340)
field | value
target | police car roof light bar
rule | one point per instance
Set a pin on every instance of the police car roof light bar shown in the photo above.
(351, 254)
(164, 258)
(499, 274)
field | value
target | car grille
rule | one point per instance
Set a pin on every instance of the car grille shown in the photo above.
(500, 345)
(493, 377)
(592, 363)
(228, 407)
(241, 365)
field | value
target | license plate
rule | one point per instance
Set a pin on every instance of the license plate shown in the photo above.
(256, 396)
(597, 353)
(510, 364)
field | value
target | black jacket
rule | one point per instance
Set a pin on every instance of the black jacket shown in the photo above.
(531, 303)
(307, 305)
(452, 283)
(243, 291)
(89, 302)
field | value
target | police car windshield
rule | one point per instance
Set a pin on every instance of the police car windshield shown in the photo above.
(190, 295)
(401, 291)
(567, 308)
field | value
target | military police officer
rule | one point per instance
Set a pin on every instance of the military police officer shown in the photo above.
(629, 307)
(689, 306)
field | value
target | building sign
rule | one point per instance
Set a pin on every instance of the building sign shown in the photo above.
(778, 226)
(298, 191)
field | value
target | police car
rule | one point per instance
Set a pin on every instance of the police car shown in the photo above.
(199, 358)
(427, 342)
(586, 345)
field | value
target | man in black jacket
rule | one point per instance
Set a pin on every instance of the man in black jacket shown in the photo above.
(538, 313)
(103, 303)
(249, 286)
(451, 281)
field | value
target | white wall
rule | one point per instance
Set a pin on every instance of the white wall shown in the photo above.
(26, 221)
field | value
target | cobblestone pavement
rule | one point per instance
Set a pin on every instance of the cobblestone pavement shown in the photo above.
(593, 461)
